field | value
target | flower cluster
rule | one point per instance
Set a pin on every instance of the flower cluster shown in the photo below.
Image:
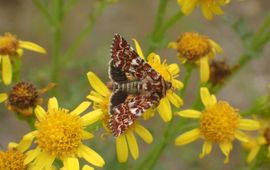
(139, 88)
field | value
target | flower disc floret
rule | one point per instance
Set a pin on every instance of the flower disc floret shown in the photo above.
(219, 122)
(193, 46)
(12, 160)
(8, 44)
(60, 133)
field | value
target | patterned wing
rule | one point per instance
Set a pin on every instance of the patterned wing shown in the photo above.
(123, 115)
(126, 58)
(116, 74)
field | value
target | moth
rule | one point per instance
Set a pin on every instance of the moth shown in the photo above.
(136, 86)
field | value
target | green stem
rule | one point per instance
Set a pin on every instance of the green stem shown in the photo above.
(171, 22)
(57, 36)
(158, 24)
(101, 5)
(43, 10)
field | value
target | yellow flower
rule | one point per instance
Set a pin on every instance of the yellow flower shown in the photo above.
(255, 143)
(59, 135)
(209, 7)
(127, 141)
(13, 158)
(219, 123)
(195, 48)
(24, 97)
(10, 48)
(169, 72)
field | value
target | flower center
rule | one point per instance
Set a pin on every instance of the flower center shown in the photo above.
(8, 44)
(23, 95)
(60, 133)
(12, 160)
(193, 46)
(219, 122)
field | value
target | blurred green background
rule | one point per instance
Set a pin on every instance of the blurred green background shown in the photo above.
(133, 19)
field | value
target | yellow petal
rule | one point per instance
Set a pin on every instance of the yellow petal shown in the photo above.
(97, 84)
(153, 58)
(148, 114)
(173, 45)
(26, 141)
(188, 6)
(121, 148)
(207, 12)
(253, 153)
(87, 167)
(87, 135)
(241, 136)
(226, 149)
(12, 145)
(177, 84)
(138, 48)
(52, 103)
(188, 137)
(248, 124)
(31, 155)
(81, 108)
(190, 113)
(72, 164)
(207, 147)
(217, 48)
(132, 144)
(43, 160)
(97, 99)
(173, 69)
(32, 46)
(174, 99)
(91, 156)
(215, 8)
(164, 109)
(92, 117)
(143, 133)
(206, 98)
(6, 70)
(40, 112)
(3, 97)
(204, 69)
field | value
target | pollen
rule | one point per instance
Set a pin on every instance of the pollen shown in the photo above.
(12, 160)
(59, 133)
(23, 95)
(8, 44)
(193, 46)
(219, 122)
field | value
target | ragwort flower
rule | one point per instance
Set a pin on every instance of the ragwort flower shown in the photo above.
(126, 141)
(13, 158)
(60, 134)
(209, 7)
(169, 72)
(10, 48)
(219, 123)
(255, 143)
(193, 47)
(24, 97)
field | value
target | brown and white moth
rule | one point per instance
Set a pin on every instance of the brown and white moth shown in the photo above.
(146, 88)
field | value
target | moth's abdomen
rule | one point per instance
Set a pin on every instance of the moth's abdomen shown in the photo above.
(132, 87)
